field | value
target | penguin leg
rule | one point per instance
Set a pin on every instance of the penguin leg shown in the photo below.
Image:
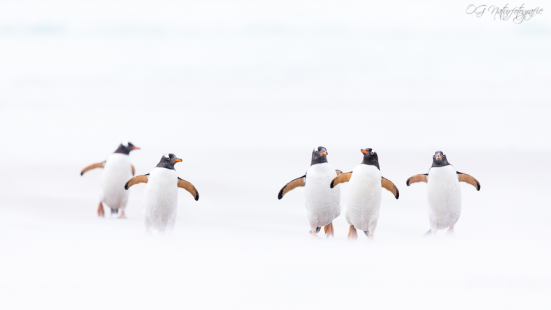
(450, 230)
(123, 215)
(352, 233)
(368, 235)
(332, 230)
(101, 212)
(329, 230)
(315, 232)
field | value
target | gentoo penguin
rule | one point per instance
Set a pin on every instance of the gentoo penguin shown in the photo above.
(116, 171)
(443, 192)
(161, 193)
(322, 202)
(363, 198)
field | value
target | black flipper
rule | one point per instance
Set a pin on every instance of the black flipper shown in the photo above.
(428, 232)
(366, 232)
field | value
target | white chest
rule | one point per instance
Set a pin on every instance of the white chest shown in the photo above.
(442, 181)
(365, 183)
(163, 182)
(117, 165)
(318, 183)
(363, 199)
(444, 197)
(117, 171)
(322, 201)
(161, 198)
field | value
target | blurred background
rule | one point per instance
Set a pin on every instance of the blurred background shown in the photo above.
(242, 91)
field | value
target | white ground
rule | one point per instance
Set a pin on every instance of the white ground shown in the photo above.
(243, 92)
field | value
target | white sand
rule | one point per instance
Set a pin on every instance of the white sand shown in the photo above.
(242, 92)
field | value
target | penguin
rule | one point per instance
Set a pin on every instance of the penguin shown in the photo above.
(363, 198)
(161, 193)
(443, 192)
(116, 171)
(322, 202)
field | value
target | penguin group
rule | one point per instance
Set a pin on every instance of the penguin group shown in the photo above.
(363, 197)
(161, 191)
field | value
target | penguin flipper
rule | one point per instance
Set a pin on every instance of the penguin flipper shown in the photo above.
(133, 170)
(417, 178)
(136, 180)
(341, 178)
(188, 187)
(463, 177)
(91, 167)
(389, 186)
(298, 182)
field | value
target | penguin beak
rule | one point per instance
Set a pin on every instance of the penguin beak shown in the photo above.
(364, 151)
(177, 160)
(135, 148)
(439, 157)
(323, 153)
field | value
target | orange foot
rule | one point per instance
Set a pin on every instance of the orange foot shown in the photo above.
(100, 210)
(329, 230)
(123, 215)
(352, 233)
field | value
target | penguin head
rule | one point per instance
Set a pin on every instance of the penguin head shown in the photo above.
(319, 155)
(370, 157)
(168, 161)
(126, 147)
(439, 159)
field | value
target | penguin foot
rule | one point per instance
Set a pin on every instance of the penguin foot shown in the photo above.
(352, 233)
(368, 235)
(101, 212)
(123, 215)
(329, 231)
(314, 233)
(450, 231)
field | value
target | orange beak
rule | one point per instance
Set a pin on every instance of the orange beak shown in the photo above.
(177, 160)
(135, 148)
(324, 153)
(364, 151)
(438, 157)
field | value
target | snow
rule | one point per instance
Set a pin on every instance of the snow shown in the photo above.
(241, 91)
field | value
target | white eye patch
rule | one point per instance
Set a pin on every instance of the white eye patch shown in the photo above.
(124, 143)
(167, 155)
